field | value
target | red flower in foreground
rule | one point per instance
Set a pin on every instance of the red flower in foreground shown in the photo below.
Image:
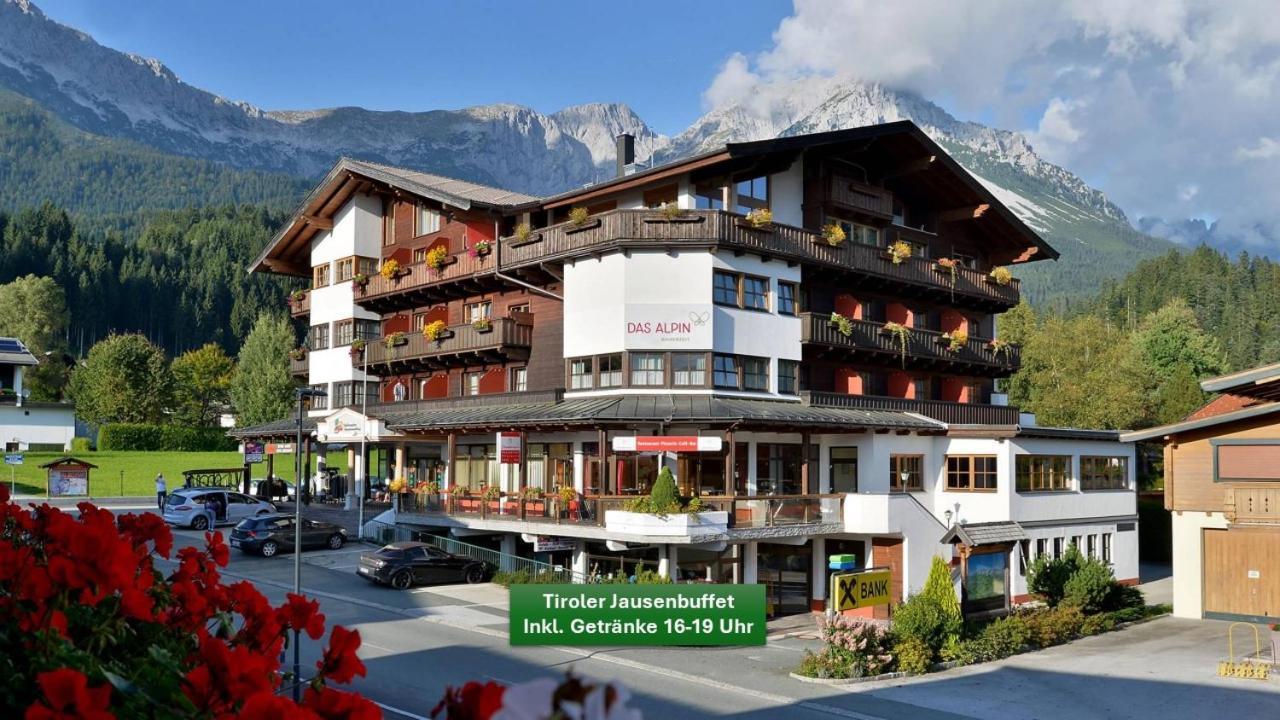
(473, 701)
(67, 695)
(303, 615)
(340, 663)
(331, 704)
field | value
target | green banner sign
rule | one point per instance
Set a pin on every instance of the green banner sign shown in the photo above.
(637, 615)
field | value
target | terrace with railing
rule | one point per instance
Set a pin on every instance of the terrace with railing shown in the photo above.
(419, 284)
(917, 348)
(952, 413)
(455, 346)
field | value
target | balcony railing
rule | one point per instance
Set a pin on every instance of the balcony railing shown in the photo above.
(927, 346)
(951, 413)
(460, 345)
(845, 192)
(743, 511)
(298, 366)
(300, 305)
(636, 229)
(1253, 505)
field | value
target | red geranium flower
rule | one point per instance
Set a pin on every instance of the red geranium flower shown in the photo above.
(303, 615)
(473, 701)
(340, 663)
(333, 704)
(67, 695)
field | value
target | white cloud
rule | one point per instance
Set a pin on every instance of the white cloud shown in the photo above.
(1153, 97)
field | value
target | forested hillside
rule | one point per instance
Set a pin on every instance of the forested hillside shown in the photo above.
(181, 281)
(105, 182)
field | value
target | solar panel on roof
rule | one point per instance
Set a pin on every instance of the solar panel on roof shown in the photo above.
(11, 345)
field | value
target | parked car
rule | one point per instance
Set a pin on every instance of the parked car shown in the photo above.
(186, 507)
(269, 534)
(405, 564)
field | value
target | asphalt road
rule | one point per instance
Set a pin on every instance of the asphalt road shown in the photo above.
(417, 643)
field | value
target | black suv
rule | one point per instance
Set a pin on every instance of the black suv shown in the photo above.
(404, 564)
(269, 534)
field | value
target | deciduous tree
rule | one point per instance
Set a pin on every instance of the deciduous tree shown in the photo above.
(125, 378)
(34, 310)
(201, 385)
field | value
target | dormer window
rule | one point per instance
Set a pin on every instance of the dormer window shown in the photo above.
(753, 194)
(428, 220)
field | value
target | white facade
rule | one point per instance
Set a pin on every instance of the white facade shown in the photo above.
(1188, 559)
(47, 424)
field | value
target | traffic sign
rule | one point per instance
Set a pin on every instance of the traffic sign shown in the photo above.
(13, 459)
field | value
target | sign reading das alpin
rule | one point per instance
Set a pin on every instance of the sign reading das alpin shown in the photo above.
(637, 615)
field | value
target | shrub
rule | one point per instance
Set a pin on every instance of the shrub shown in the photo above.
(823, 665)
(1053, 626)
(168, 438)
(939, 588)
(81, 445)
(663, 498)
(913, 656)
(1005, 636)
(1095, 624)
(1089, 586)
(1047, 577)
(1123, 597)
(862, 647)
(922, 618)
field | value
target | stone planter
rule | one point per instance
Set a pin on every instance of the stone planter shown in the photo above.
(677, 524)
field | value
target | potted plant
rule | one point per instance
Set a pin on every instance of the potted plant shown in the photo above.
(435, 330)
(357, 347)
(481, 248)
(482, 325)
(833, 235)
(567, 495)
(903, 335)
(1000, 275)
(898, 252)
(390, 269)
(759, 219)
(298, 354)
(437, 258)
(954, 340)
(524, 235)
(1001, 348)
(395, 339)
(297, 296)
(578, 216)
(948, 266)
(842, 324)
(671, 211)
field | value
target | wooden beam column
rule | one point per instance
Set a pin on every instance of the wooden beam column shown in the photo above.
(730, 466)
(602, 452)
(808, 478)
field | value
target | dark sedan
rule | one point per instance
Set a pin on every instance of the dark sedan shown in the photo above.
(404, 564)
(270, 534)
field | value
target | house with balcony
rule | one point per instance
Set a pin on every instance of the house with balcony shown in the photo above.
(1222, 485)
(801, 329)
(27, 424)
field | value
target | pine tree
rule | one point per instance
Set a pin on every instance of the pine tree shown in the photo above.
(262, 388)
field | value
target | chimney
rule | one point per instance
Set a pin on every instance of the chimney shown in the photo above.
(626, 144)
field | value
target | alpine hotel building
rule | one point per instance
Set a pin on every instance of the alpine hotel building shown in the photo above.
(801, 329)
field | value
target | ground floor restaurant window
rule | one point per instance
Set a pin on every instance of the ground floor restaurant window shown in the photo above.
(986, 581)
(778, 469)
(700, 474)
(550, 466)
(476, 466)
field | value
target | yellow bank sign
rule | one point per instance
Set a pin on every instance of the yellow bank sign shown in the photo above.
(864, 589)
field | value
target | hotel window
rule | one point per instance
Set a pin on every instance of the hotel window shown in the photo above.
(320, 276)
(366, 266)
(519, 379)
(724, 289)
(708, 197)
(861, 234)
(389, 227)
(581, 374)
(755, 293)
(786, 298)
(1042, 547)
(1075, 542)
(346, 269)
(471, 382)
(968, 261)
(419, 321)
(521, 308)
(646, 369)
(368, 330)
(1106, 548)
(343, 332)
(319, 337)
(1043, 473)
(778, 468)
(482, 310)
(725, 372)
(755, 373)
(906, 473)
(320, 402)
(1057, 548)
(689, 369)
(611, 370)
(420, 255)
(1104, 473)
(428, 220)
(971, 472)
(347, 393)
(1091, 542)
(788, 377)
(753, 194)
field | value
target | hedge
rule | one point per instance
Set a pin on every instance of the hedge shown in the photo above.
(167, 438)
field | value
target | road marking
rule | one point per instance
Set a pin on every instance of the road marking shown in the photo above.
(398, 711)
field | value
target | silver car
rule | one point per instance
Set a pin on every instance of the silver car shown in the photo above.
(193, 507)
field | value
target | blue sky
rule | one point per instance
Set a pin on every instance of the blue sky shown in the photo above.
(408, 55)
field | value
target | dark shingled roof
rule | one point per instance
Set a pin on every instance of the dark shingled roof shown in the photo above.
(991, 533)
(453, 191)
(288, 426)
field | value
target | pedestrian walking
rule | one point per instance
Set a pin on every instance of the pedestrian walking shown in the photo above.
(162, 490)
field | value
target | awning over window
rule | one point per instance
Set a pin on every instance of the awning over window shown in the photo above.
(992, 533)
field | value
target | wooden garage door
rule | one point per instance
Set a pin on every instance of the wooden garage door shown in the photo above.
(1242, 572)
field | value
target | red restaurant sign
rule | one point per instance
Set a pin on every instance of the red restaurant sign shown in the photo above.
(667, 443)
(509, 448)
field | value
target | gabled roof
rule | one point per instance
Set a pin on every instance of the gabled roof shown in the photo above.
(450, 191)
(1260, 382)
(14, 352)
(1201, 423)
(68, 460)
(989, 533)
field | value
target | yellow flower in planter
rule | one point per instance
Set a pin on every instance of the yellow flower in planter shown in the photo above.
(436, 257)
(1001, 276)
(390, 268)
(578, 216)
(833, 234)
(899, 252)
(759, 218)
(434, 330)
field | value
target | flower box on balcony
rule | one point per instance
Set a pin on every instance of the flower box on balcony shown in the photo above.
(681, 218)
(584, 225)
(673, 524)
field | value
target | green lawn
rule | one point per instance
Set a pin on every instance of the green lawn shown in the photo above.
(136, 471)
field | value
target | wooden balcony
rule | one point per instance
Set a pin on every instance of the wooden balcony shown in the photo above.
(1253, 505)
(951, 413)
(298, 366)
(693, 229)
(301, 306)
(923, 349)
(460, 346)
(845, 193)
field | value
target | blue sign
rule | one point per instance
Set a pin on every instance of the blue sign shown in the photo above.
(13, 459)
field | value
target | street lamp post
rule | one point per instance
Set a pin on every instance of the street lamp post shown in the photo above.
(361, 476)
(302, 394)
